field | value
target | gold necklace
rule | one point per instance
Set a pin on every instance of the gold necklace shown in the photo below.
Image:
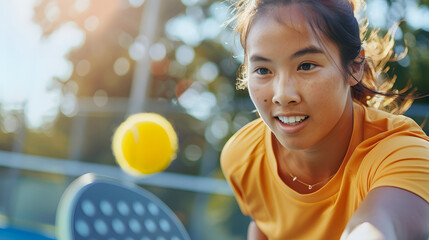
(310, 186)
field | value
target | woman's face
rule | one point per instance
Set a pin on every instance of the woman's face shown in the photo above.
(295, 80)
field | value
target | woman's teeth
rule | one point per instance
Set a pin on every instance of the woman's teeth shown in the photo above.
(292, 120)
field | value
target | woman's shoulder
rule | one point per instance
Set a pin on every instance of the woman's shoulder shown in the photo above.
(383, 136)
(244, 144)
(380, 124)
(390, 136)
(253, 129)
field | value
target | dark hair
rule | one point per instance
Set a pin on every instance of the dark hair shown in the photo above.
(335, 19)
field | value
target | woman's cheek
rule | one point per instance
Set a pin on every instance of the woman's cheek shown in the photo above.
(257, 96)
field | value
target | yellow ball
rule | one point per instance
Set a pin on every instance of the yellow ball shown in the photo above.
(145, 143)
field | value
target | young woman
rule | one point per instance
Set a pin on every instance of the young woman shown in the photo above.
(322, 162)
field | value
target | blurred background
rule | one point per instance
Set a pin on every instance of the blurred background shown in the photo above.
(72, 70)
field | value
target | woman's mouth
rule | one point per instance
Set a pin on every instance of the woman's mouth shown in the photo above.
(292, 120)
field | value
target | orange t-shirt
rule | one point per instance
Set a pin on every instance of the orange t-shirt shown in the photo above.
(385, 150)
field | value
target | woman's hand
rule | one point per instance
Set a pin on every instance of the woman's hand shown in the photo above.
(364, 229)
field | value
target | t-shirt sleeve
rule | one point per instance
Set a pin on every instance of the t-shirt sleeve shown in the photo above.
(401, 162)
(231, 168)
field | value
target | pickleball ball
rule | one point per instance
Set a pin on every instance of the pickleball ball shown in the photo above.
(145, 143)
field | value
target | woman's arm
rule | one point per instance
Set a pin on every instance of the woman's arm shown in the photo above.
(253, 232)
(389, 213)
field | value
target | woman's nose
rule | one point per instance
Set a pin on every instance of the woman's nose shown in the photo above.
(285, 92)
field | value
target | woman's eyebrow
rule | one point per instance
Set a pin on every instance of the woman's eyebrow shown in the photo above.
(256, 58)
(299, 53)
(307, 50)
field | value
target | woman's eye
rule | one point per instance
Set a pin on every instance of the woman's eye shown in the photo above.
(306, 66)
(262, 71)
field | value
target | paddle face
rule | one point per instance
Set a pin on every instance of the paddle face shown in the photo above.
(145, 143)
(94, 207)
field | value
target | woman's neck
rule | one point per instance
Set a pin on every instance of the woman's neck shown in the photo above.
(321, 161)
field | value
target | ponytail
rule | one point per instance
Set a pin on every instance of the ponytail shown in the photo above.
(376, 87)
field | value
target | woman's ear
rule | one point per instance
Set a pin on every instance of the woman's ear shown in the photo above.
(357, 68)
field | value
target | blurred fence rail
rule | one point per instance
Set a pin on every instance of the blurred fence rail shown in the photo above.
(76, 168)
